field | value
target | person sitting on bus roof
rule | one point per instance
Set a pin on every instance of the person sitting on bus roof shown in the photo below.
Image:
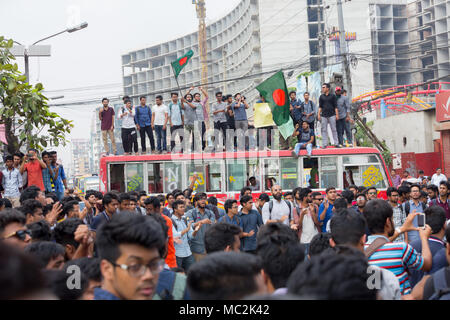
(305, 138)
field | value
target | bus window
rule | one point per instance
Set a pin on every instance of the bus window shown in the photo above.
(173, 175)
(254, 171)
(117, 177)
(236, 175)
(310, 176)
(289, 174)
(271, 173)
(364, 170)
(213, 176)
(328, 170)
(134, 176)
(197, 168)
(155, 178)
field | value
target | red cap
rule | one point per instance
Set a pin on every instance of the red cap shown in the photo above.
(338, 89)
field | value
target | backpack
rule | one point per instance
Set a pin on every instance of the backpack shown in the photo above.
(175, 224)
(408, 207)
(170, 108)
(177, 291)
(271, 207)
(441, 291)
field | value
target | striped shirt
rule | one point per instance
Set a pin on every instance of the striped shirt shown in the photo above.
(397, 258)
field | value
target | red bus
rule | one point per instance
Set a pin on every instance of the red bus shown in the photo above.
(223, 174)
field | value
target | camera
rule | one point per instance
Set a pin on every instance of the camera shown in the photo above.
(421, 220)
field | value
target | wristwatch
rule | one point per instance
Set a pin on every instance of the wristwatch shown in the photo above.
(398, 230)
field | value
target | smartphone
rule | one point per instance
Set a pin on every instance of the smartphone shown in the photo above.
(421, 220)
(82, 205)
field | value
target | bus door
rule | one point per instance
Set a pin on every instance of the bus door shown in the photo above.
(281, 171)
(116, 177)
(321, 172)
(363, 170)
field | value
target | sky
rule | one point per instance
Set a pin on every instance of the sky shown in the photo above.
(91, 58)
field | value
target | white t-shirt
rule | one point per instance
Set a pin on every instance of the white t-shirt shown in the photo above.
(309, 229)
(436, 179)
(159, 112)
(128, 118)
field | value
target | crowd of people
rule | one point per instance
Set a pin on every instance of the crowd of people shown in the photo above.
(180, 246)
(186, 118)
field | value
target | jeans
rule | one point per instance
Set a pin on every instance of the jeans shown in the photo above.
(340, 126)
(174, 130)
(129, 139)
(149, 132)
(185, 262)
(348, 132)
(301, 145)
(161, 135)
(325, 121)
(241, 133)
(59, 195)
(221, 126)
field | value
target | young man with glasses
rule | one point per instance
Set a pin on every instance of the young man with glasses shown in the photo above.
(372, 193)
(399, 216)
(361, 201)
(129, 247)
(317, 198)
(411, 206)
(13, 229)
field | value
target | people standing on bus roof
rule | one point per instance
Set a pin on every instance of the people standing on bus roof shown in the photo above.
(160, 116)
(231, 124)
(143, 120)
(239, 107)
(190, 120)
(202, 116)
(328, 114)
(295, 108)
(129, 133)
(106, 115)
(176, 120)
(218, 111)
(309, 112)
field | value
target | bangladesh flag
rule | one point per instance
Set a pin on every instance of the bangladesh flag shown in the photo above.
(274, 91)
(179, 64)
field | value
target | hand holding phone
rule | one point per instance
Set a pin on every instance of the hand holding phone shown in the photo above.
(421, 220)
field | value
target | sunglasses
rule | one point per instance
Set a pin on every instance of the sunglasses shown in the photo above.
(319, 199)
(21, 234)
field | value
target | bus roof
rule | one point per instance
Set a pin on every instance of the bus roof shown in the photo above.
(238, 155)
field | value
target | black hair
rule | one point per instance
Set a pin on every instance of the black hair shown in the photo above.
(433, 187)
(275, 228)
(7, 203)
(18, 154)
(376, 212)
(352, 186)
(57, 281)
(52, 152)
(99, 195)
(332, 276)
(159, 97)
(291, 92)
(169, 195)
(244, 189)
(126, 98)
(296, 190)
(435, 217)
(40, 231)
(153, 201)
(304, 193)
(89, 266)
(31, 192)
(188, 94)
(423, 194)
(319, 243)
(340, 204)
(30, 206)
(177, 203)
(199, 195)
(108, 198)
(126, 101)
(414, 186)
(236, 94)
(246, 199)
(361, 195)
(174, 94)
(445, 183)
(124, 196)
(52, 196)
(264, 197)
(329, 189)
(11, 158)
(64, 232)
(212, 200)
(224, 276)
(315, 193)
(327, 85)
(131, 229)
(280, 255)
(69, 206)
(288, 193)
(219, 92)
(229, 204)
(90, 193)
(390, 190)
(105, 99)
(197, 93)
(348, 195)
(142, 97)
(44, 251)
(9, 216)
(219, 236)
(371, 188)
(20, 274)
(347, 227)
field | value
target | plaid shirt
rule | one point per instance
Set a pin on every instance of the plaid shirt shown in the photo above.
(47, 182)
(399, 218)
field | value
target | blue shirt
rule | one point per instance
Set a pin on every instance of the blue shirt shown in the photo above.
(143, 116)
(297, 112)
(59, 186)
(100, 294)
(166, 282)
(11, 181)
(308, 108)
(198, 242)
(46, 179)
(239, 113)
(181, 250)
(413, 235)
(328, 215)
(175, 113)
(236, 221)
(437, 248)
(99, 220)
(249, 222)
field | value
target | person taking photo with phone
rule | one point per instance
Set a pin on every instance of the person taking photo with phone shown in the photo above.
(33, 166)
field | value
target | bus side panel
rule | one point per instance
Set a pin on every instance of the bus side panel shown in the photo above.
(103, 176)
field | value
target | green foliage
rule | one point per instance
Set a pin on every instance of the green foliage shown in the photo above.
(305, 74)
(24, 110)
(292, 89)
(361, 138)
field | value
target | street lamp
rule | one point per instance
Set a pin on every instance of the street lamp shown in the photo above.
(40, 51)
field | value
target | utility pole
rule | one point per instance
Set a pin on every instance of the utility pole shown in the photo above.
(343, 45)
(320, 37)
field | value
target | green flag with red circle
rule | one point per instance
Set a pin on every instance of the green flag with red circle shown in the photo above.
(180, 63)
(274, 91)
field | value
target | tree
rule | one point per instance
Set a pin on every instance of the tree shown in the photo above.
(24, 111)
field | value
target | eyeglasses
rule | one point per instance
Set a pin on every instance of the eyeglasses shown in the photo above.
(21, 234)
(372, 193)
(138, 270)
(321, 199)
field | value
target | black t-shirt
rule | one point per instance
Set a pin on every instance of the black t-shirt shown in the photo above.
(328, 103)
(428, 289)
